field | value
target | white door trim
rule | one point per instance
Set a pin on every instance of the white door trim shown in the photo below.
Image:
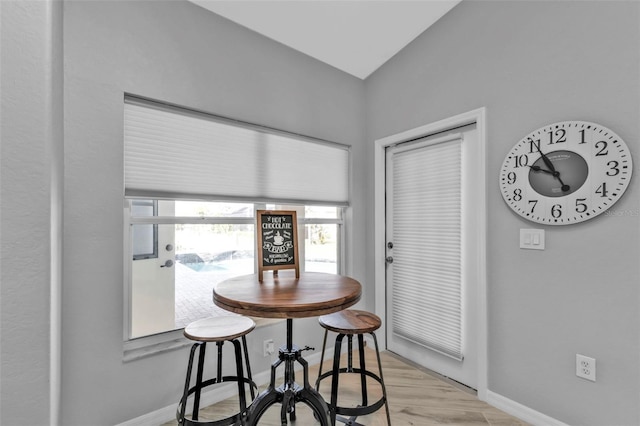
(477, 116)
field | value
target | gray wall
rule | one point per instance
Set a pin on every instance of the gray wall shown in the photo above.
(30, 210)
(175, 52)
(530, 64)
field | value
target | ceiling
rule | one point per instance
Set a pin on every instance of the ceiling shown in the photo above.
(355, 36)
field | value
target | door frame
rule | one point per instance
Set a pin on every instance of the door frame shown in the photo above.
(477, 116)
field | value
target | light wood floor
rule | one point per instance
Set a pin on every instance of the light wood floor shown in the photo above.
(415, 396)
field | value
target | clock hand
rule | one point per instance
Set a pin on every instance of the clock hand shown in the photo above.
(556, 174)
(539, 169)
(564, 187)
(547, 162)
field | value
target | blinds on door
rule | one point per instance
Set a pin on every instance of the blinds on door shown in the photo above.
(427, 245)
(171, 152)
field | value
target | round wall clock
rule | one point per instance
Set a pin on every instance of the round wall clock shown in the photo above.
(565, 173)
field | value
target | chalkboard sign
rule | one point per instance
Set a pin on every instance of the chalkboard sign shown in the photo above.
(277, 241)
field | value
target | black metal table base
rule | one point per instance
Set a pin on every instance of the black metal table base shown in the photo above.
(289, 393)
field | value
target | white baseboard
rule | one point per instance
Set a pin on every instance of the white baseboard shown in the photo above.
(520, 411)
(217, 394)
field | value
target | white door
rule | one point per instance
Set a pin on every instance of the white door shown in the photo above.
(432, 255)
(153, 282)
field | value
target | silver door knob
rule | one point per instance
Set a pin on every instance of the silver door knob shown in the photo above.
(389, 259)
(167, 264)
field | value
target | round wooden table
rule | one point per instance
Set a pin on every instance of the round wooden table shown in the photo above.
(285, 296)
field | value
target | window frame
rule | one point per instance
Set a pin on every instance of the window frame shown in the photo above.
(143, 346)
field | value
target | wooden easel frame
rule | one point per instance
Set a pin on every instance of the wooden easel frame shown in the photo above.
(281, 248)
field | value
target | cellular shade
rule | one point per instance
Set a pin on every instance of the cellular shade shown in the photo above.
(172, 152)
(427, 218)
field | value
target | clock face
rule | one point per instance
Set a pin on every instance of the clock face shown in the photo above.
(565, 173)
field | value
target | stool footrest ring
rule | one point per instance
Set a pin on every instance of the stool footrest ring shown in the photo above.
(232, 420)
(359, 410)
(346, 370)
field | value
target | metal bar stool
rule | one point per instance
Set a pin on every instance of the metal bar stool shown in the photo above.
(219, 330)
(348, 323)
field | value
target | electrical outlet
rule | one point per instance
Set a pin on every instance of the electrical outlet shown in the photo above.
(586, 367)
(267, 348)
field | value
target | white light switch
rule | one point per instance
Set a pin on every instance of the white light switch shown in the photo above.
(532, 239)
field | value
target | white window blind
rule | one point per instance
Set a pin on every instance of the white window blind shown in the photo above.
(174, 153)
(427, 245)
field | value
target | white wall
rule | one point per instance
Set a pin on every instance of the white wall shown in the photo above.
(530, 64)
(30, 210)
(179, 53)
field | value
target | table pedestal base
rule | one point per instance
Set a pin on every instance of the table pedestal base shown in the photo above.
(290, 392)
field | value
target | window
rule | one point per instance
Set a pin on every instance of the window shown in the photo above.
(145, 237)
(179, 242)
(203, 243)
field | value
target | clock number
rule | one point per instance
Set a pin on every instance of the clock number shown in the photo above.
(581, 207)
(511, 178)
(602, 190)
(556, 211)
(582, 138)
(521, 160)
(534, 146)
(602, 146)
(614, 170)
(535, 203)
(517, 194)
(561, 136)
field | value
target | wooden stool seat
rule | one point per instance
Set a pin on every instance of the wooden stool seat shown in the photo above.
(351, 321)
(219, 329)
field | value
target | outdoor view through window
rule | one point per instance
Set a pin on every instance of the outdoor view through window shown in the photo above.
(181, 249)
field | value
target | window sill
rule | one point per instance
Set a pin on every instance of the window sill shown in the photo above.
(143, 347)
